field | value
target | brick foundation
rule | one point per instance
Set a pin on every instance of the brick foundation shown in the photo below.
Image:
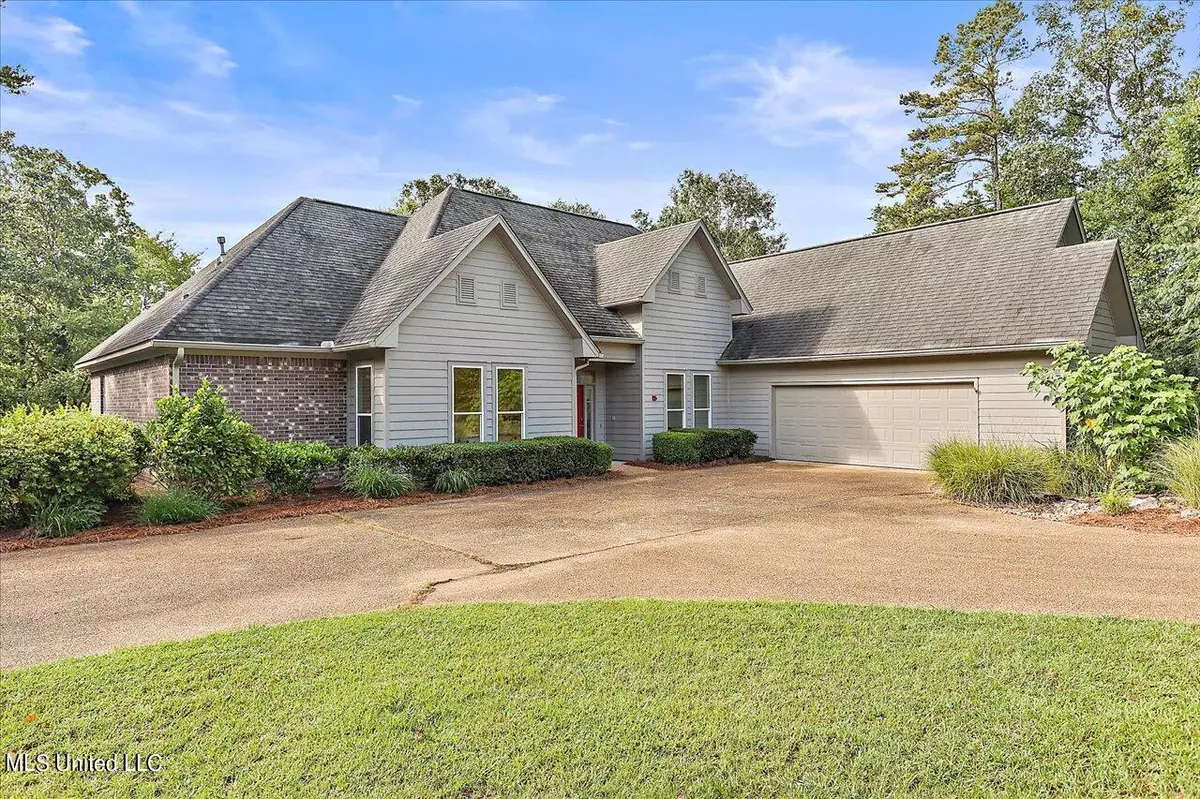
(130, 391)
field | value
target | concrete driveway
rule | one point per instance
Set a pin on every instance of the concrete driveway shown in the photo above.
(761, 531)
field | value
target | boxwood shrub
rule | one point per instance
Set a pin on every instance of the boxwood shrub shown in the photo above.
(701, 446)
(293, 468)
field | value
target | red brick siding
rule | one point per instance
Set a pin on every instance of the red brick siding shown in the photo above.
(286, 399)
(130, 391)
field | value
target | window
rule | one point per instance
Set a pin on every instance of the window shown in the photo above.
(673, 284)
(701, 401)
(467, 403)
(466, 290)
(510, 403)
(364, 417)
(674, 401)
(701, 287)
(508, 295)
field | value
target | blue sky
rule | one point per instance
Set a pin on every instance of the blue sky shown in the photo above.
(214, 115)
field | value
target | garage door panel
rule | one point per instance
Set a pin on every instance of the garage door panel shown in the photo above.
(871, 425)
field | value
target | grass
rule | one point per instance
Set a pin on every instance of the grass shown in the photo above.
(1180, 468)
(379, 482)
(177, 507)
(61, 516)
(991, 472)
(453, 481)
(1116, 502)
(633, 698)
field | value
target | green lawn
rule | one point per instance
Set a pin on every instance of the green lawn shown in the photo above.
(665, 699)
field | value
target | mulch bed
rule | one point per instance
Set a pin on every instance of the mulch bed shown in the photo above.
(1158, 520)
(671, 467)
(119, 523)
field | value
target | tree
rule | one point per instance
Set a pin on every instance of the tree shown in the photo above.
(738, 213)
(419, 191)
(159, 265)
(577, 207)
(13, 79)
(953, 164)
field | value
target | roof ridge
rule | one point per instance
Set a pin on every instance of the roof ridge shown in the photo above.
(543, 207)
(354, 207)
(444, 195)
(693, 222)
(907, 229)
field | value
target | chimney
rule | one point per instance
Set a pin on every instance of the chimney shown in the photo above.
(221, 244)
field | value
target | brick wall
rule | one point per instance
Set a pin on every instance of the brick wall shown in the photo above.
(286, 399)
(130, 391)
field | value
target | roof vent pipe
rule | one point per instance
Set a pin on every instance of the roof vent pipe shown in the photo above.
(221, 244)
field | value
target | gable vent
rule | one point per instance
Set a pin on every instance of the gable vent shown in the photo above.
(673, 281)
(466, 290)
(701, 286)
(508, 295)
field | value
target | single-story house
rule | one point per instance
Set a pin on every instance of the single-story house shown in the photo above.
(480, 318)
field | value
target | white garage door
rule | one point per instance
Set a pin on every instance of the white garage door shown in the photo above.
(871, 425)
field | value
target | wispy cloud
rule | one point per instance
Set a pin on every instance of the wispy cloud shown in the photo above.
(640, 145)
(799, 94)
(406, 104)
(500, 122)
(158, 26)
(56, 34)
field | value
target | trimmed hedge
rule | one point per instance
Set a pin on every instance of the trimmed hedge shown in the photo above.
(494, 463)
(703, 445)
(293, 468)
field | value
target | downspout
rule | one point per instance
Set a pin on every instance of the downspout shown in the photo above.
(176, 365)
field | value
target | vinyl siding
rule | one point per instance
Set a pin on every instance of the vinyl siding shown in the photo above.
(684, 333)
(440, 333)
(1007, 411)
(1103, 335)
(623, 406)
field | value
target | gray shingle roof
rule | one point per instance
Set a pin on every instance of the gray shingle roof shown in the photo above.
(988, 281)
(626, 268)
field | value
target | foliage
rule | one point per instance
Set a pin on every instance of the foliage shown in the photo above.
(952, 166)
(1081, 470)
(1122, 403)
(293, 468)
(199, 444)
(1179, 467)
(991, 472)
(739, 215)
(59, 515)
(419, 191)
(377, 480)
(177, 506)
(13, 79)
(159, 265)
(702, 445)
(577, 207)
(53, 458)
(1116, 502)
(497, 462)
(453, 481)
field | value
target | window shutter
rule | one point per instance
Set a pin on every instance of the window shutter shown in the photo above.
(701, 288)
(508, 295)
(466, 290)
(673, 281)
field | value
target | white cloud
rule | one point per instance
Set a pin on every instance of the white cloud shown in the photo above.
(640, 145)
(497, 121)
(54, 33)
(157, 26)
(801, 94)
(406, 104)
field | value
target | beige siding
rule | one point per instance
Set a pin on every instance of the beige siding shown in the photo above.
(440, 333)
(1007, 411)
(684, 333)
(1103, 335)
(623, 406)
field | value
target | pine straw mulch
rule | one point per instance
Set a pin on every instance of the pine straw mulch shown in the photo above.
(120, 522)
(671, 467)
(1157, 520)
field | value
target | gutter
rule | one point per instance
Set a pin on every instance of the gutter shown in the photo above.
(303, 349)
(862, 356)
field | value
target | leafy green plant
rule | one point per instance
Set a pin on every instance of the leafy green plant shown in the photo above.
(63, 454)
(453, 481)
(496, 462)
(1116, 502)
(177, 506)
(293, 468)
(1123, 403)
(1080, 471)
(1179, 466)
(991, 472)
(199, 444)
(61, 515)
(379, 481)
(701, 445)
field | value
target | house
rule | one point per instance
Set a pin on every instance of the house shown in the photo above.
(483, 318)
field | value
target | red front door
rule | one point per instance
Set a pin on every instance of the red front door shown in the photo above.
(579, 410)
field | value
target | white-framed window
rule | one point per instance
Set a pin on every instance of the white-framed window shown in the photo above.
(466, 403)
(701, 286)
(701, 400)
(508, 294)
(466, 290)
(675, 400)
(674, 283)
(510, 403)
(364, 414)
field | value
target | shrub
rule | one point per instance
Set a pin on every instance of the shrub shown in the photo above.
(1179, 465)
(177, 506)
(698, 446)
(1122, 403)
(1116, 502)
(1080, 471)
(379, 481)
(991, 472)
(497, 462)
(453, 481)
(64, 454)
(197, 443)
(293, 468)
(61, 515)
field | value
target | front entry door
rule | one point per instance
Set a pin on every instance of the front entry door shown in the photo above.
(585, 410)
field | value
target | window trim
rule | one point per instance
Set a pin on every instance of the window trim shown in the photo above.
(496, 397)
(667, 409)
(482, 403)
(359, 414)
(709, 408)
